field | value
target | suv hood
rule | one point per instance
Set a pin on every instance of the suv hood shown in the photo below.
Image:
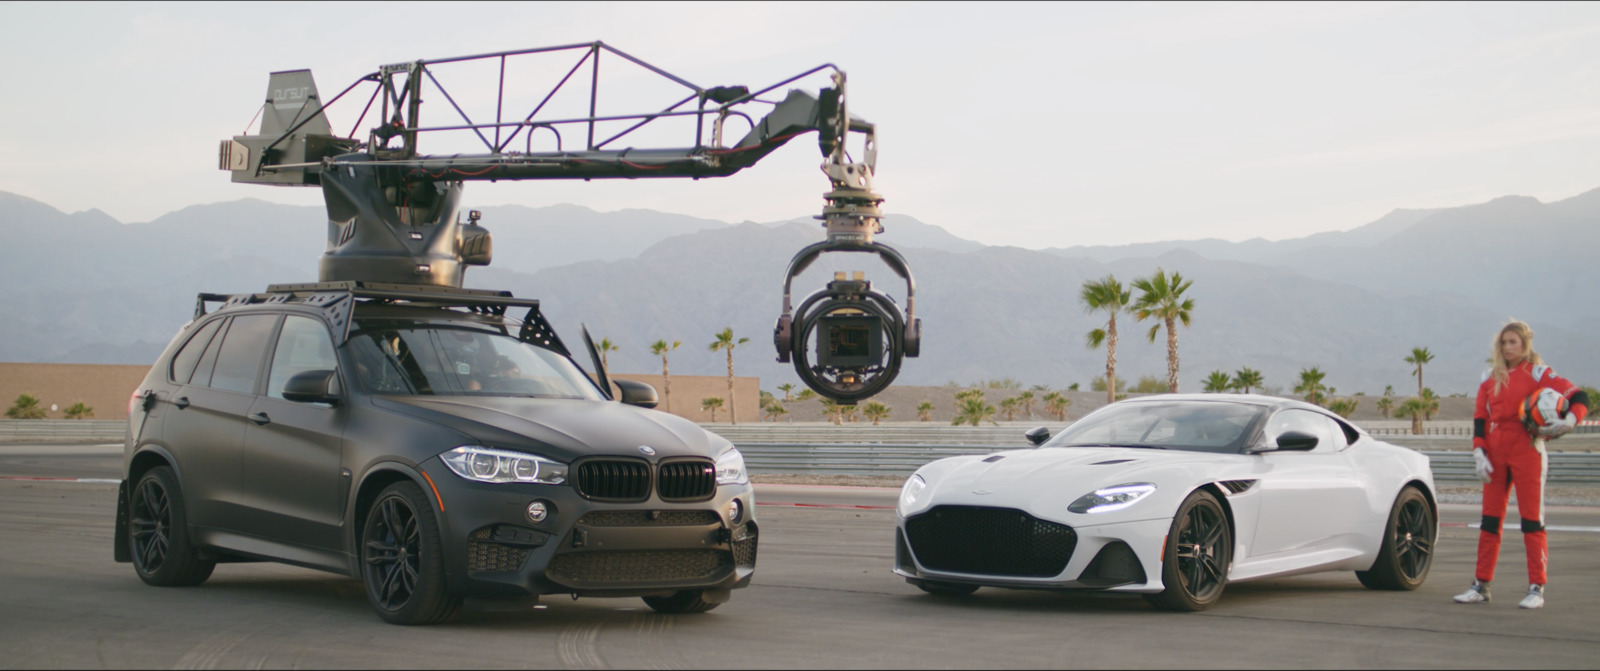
(562, 429)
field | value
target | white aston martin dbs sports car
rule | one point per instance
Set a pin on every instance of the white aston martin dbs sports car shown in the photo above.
(1172, 496)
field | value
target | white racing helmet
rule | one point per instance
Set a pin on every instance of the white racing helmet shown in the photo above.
(1541, 413)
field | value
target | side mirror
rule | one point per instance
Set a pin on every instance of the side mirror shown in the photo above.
(637, 393)
(312, 386)
(1037, 435)
(1296, 441)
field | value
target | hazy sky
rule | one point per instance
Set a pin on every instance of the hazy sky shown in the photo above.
(1031, 124)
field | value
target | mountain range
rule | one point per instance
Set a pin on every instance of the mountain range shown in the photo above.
(85, 288)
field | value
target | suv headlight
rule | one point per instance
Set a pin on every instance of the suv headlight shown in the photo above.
(1112, 498)
(730, 468)
(488, 465)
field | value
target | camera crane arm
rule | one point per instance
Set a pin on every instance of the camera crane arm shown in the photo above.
(392, 210)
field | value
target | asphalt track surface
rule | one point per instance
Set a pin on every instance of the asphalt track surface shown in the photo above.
(823, 598)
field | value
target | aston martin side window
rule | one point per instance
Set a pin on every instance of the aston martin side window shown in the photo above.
(303, 345)
(1303, 421)
(184, 361)
(239, 361)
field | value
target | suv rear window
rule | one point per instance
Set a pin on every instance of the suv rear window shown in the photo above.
(184, 361)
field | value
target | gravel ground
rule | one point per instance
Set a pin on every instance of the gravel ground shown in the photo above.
(1448, 493)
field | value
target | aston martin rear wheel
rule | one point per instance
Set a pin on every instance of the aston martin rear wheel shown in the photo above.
(946, 589)
(1194, 566)
(402, 559)
(1407, 550)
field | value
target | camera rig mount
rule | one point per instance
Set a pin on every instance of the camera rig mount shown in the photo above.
(393, 212)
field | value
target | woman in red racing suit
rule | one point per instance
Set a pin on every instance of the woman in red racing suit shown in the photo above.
(1507, 456)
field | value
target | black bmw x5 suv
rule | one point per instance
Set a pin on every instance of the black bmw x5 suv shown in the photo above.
(431, 445)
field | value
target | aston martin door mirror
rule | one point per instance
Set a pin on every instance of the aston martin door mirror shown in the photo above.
(1037, 435)
(1296, 440)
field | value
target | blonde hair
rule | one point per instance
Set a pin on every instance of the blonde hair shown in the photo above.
(1501, 370)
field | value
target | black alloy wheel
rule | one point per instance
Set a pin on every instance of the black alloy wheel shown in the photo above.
(402, 563)
(158, 533)
(1407, 551)
(1199, 548)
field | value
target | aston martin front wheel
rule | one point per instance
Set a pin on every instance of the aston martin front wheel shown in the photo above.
(1194, 566)
(1407, 550)
(945, 588)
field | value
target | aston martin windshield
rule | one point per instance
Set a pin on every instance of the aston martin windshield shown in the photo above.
(1199, 426)
(437, 359)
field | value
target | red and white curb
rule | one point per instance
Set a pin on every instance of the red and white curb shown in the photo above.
(97, 481)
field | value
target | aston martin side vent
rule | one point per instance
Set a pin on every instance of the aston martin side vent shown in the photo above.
(1238, 486)
(994, 458)
(1113, 461)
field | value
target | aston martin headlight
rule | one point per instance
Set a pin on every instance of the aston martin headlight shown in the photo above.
(1112, 498)
(488, 465)
(730, 468)
(912, 489)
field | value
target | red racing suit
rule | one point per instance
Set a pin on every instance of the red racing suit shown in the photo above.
(1518, 460)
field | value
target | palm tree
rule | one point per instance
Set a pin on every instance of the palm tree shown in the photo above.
(875, 411)
(1106, 295)
(1384, 405)
(805, 395)
(711, 403)
(787, 388)
(1025, 399)
(605, 346)
(1218, 382)
(80, 411)
(1247, 378)
(1415, 408)
(1056, 403)
(776, 409)
(725, 341)
(1344, 407)
(847, 412)
(1162, 298)
(1419, 356)
(1311, 385)
(1430, 403)
(974, 410)
(25, 407)
(1388, 390)
(1009, 406)
(660, 348)
(925, 411)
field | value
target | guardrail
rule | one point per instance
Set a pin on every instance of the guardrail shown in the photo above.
(1566, 468)
(64, 430)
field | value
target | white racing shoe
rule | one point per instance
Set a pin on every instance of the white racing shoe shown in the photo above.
(1477, 593)
(1535, 598)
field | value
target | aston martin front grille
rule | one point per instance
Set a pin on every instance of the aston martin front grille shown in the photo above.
(990, 541)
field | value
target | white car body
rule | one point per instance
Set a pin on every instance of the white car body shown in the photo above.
(1289, 511)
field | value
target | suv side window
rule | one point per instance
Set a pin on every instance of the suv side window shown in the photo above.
(184, 361)
(208, 361)
(303, 345)
(239, 361)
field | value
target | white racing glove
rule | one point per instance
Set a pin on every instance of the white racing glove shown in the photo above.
(1480, 463)
(1561, 427)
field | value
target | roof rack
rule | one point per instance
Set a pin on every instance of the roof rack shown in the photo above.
(337, 299)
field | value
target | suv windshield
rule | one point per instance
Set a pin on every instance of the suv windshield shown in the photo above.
(1197, 426)
(450, 358)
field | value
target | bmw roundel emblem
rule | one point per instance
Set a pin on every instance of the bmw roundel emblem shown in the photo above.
(647, 449)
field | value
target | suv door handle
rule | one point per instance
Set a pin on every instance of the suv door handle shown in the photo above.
(182, 402)
(261, 419)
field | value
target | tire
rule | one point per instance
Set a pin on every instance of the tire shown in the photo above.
(158, 533)
(1194, 566)
(945, 589)
(402, 559)
(680, 603)
(1407, 550)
